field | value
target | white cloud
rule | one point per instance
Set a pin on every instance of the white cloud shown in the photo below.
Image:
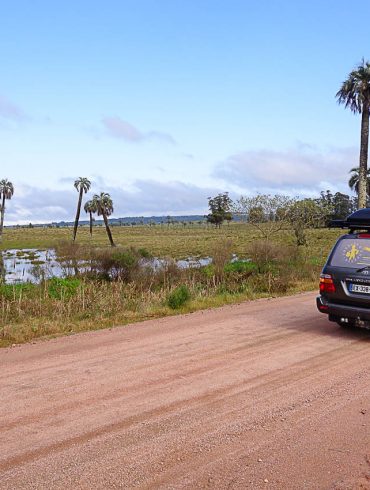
(36, 205)
(144, 197)
(305, 169)
(152, 197)
(118, 128)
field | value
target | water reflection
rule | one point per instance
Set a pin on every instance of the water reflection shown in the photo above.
(29, 265)
(33, 265)
(2, 270)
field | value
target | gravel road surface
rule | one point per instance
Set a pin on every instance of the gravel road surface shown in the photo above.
(266, 394)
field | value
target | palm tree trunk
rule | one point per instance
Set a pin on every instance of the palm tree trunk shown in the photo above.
(2, 217)
(108, 230)
(77, 215)
(90, 223)
(362, 184)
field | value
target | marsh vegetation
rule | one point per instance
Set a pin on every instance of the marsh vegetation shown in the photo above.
(100, 286)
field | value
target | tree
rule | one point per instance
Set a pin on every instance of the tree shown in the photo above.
(104, 207)
(265, 212)
(336, 206)
(220, 209)
(304, 214)
(6, 192)
(355, 178)
(355, 95)
(343, 205)
(91, 208)
(82, 185)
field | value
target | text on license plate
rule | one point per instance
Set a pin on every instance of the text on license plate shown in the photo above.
(359, 288)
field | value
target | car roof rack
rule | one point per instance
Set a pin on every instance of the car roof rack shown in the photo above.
(359, 220)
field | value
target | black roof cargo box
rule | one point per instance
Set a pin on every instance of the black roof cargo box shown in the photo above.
(359, 220)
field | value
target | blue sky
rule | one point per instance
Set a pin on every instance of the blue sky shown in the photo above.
(162, 103)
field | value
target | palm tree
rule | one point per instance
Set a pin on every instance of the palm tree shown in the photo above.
(6, 192)
(90, 207)
(355, 94)
(82, 185)
(354, 180)
(104, 207)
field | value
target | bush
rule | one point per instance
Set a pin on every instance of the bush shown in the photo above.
(124, 259)
(178, 297)
(208, 270)
(119, 263)
(59, 288)
(15, 291)
(221, 255)
(144, 253)
(240, 266)
(264, 251)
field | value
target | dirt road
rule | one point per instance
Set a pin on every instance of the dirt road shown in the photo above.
(266, 394)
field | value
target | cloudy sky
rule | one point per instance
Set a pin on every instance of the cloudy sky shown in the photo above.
(163, 103)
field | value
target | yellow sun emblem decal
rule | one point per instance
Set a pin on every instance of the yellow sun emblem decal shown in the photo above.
(352, 253)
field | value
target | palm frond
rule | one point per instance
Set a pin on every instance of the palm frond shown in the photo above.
(354, 92)
(82, 183)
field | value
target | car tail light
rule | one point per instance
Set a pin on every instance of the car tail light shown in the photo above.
(327, 284)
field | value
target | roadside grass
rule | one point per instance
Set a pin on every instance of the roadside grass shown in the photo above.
(49, 320)
(90, 302)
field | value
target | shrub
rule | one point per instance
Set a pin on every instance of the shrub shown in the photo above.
(119, 263)
(124, 259)
(145, 254)
(264, 251)
(221, 255)
(240, 266)
(15, 291)
(70, 256)
(208, 270)
(267, 255)
(178, 297)
(59, 288)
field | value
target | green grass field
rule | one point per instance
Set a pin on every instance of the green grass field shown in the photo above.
(177, 242)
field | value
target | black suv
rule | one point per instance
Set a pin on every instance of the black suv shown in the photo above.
(345, 278)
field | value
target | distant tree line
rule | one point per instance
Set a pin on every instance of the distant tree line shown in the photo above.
(270, 214)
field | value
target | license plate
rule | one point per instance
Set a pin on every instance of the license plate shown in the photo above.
(359, 288)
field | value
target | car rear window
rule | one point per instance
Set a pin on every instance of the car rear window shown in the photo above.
(352, 253)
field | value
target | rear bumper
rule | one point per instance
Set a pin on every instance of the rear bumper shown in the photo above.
(337, 311)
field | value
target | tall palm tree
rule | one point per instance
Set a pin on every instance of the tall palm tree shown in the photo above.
(90, 207)
(354, 180)
(6, 192)
(82, 185)
(355, 95)
(104, 207)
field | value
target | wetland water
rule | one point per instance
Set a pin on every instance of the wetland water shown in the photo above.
(32, 265)
(28, 265)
